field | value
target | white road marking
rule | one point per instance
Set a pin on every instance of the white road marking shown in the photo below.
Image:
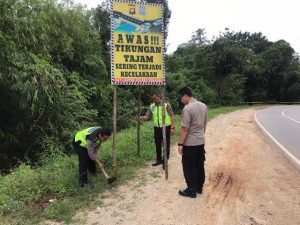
(286, 116)
(290, 155)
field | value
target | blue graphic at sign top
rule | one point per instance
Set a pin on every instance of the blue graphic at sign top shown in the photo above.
(123, 26)
(127, 28)
(142, 10)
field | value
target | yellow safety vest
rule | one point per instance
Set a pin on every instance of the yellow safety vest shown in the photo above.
(81, 135)
(157, 115)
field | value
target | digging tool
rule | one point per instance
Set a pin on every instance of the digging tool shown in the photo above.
(108, 178)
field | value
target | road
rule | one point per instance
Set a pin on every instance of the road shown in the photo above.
(282, 124)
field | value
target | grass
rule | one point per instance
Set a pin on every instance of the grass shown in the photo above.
(26, 191)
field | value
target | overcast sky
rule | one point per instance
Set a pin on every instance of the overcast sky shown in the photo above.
(276, 19)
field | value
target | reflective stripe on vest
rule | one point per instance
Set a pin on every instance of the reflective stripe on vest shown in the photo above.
(157, 115)
(81, 135)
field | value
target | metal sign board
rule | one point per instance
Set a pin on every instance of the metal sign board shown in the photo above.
(137, 43)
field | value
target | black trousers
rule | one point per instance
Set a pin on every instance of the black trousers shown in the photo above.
(193, 158)
(158, 138)
(85, 163)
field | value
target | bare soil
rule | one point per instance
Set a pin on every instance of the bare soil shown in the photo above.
(248, 181)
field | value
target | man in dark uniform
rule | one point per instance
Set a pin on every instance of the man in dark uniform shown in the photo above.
(86, 143)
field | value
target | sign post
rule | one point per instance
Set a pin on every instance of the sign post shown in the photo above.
(114, 131)
(139, 123)
(137, 45)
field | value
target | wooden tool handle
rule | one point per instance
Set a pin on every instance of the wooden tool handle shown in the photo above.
(105, 174)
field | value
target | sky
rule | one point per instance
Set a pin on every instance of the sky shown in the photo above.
(275, 19)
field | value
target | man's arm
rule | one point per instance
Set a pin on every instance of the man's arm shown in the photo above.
(144, 118)
(205, 122)
(173, 121)
(97, 146)
(185, 125)
(171, 114)
(147, 115)
(93, 155)
(182, 136)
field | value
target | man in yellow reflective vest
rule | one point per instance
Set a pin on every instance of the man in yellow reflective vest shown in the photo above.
(86, 144)
(155, 112)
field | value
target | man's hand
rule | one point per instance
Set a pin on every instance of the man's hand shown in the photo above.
(172, 132)
(180, 149)
(142, 118)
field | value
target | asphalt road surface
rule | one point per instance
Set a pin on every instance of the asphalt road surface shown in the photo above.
(282, 124)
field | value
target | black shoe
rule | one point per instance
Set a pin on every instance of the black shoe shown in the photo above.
(157, 163)
(187, 193)
(199, 191)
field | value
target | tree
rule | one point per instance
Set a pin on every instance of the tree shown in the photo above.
(52, 72)
(276, 63)
(221, 61)
(199, 37)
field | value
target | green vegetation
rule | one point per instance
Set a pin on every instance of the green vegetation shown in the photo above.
(54, 76)
(235, 67)
(54, 81)
(26, 191)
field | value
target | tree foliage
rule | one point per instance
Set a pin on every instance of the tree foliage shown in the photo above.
(237, 67)
(52, 75)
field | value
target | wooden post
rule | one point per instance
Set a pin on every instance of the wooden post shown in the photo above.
(139, 122)
(164, 133)
(115, 168)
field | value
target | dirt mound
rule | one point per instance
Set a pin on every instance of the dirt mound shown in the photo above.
(225, 186)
